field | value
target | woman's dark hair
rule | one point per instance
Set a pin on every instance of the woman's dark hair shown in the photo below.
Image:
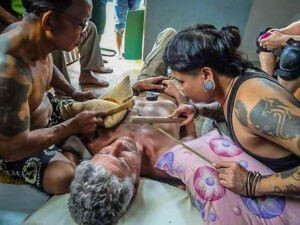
(203, 45)
(37, 7)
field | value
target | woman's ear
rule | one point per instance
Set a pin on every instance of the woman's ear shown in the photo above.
(207, 73)
(47, 21)
(208, 79)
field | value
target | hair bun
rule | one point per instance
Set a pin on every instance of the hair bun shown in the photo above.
(232, 37)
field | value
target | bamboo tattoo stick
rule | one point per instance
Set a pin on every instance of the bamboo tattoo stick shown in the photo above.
(181, 143)
(155, 119)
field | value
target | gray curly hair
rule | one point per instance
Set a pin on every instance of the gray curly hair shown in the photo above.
(98, 197)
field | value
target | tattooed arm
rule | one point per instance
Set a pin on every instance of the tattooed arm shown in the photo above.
(277, 120)
(283, 183)
(272, 114)
(211, 110)
(234, 177)
(17, 140)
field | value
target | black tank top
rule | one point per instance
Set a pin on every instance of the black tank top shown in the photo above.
(277, 165)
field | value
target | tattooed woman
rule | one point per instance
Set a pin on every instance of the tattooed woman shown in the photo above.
(262, 116)
(30, 122)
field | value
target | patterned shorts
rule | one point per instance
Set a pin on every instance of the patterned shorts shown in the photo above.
(31, 169)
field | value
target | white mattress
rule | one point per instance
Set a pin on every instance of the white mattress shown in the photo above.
(155, 204)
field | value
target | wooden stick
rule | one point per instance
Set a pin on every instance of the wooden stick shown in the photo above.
(181, 143)
(155, 119)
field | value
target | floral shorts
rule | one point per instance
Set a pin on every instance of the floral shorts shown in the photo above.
(31, 169)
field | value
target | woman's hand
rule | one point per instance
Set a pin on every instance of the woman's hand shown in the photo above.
(275, 40)
(189, 111)
(232, 176)
(153, 83)
(172, 90)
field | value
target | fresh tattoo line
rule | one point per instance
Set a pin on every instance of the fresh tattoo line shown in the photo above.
(271, 116)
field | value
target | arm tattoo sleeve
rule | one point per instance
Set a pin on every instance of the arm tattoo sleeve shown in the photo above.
(241, 112)
(12, 97)
(212, 110)
(272, 117)
(293, 173)
(293, 181)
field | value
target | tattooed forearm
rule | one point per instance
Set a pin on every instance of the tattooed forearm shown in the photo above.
(213, 110)
(289, 189)
(293, 173)
(12, 97)
(241, 112)
(271, 116)
(283, 183)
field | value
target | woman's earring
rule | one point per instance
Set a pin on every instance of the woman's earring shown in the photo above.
(209, 86)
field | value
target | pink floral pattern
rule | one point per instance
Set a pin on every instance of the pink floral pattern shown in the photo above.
(207, 185)
(224, 147)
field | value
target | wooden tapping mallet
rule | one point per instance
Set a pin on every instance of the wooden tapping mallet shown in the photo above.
(151, 120)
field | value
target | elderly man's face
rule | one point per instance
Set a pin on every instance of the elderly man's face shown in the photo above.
(121, 158)
(71, 24)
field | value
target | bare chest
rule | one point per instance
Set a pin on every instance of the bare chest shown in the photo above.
(41, 79)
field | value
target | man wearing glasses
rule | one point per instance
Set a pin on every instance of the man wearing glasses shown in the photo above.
(30, 123)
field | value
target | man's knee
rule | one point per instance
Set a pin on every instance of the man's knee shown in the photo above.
(259, 48)
(167, 34)
(58, 176)
(91, 28)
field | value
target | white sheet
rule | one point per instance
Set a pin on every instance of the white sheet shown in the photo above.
(155, 204)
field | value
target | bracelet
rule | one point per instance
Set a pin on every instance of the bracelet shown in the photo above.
(252, 179)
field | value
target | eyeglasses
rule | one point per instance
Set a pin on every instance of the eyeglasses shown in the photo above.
(83, 25)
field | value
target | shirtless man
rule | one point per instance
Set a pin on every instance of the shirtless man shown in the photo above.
(125, 152)
(30, 120)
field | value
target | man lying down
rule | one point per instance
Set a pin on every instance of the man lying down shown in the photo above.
(104, 186)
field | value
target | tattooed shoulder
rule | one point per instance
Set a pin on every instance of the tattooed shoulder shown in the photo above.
(272, 117)
(14, 111)
(278, 88)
